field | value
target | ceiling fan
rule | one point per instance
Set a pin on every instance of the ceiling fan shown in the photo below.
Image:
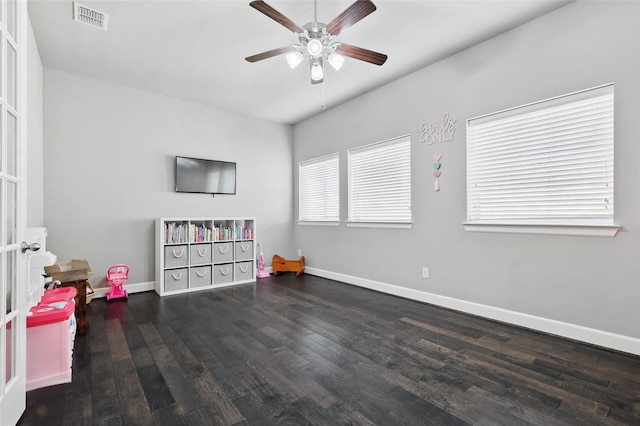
(316, 39)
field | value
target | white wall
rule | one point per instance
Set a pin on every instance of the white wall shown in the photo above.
(109, 171)
(35, 178)
(583, 287)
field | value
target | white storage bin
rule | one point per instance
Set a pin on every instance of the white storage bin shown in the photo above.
(176, 279)
(176, 256)
(244, 250)
(200, 276)
(223, 252)
(201, 254)
(223, 273)
(244, 271)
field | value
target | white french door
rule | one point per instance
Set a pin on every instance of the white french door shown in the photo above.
(13, 21)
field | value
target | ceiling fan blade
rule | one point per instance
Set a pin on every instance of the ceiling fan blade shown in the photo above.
(262, 7)
(350, 16)
(270, 53)
(361, 54)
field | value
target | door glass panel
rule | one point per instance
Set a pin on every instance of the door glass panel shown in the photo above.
(2, 281)
(12, 206)
(10, 282)
(11, 351)
(11, 18)
(1, 63)
(12, 141)
(2, 109)
(12, 72)
(2, 191)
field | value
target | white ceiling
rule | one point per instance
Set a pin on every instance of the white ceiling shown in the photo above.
(195, 50)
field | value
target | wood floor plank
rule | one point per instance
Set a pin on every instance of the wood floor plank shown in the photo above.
(118, 345)
(273, 376)
(310, 351)
(227, 378)
(343, 414)
(505, 374)
(163, 381)
(134, 407)
(213, 397)
(191, 366)
(273, 403)
(170, 415)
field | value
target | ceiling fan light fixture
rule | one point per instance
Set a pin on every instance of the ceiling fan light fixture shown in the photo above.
(294, 59)
(314, 47)
(336, 61)
(317, 74)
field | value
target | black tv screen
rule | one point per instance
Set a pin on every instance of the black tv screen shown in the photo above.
(205, 176)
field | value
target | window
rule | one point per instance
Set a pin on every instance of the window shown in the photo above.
(380, 183)
(547, 163)
(319, 189)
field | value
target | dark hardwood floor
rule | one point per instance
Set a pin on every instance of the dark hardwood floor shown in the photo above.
(311, 351)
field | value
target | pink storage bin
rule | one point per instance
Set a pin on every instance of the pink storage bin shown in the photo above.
(50, 334)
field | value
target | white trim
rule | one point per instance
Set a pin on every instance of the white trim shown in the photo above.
(570, 230)
(150, 286)
(571, 331)
(319, 223)
(396, 225)
(131, 288)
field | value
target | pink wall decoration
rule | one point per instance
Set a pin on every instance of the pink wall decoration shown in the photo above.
(434, 133)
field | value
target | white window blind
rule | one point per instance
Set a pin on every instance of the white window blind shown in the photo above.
(380, 182)
(319, 189)
(550, 162)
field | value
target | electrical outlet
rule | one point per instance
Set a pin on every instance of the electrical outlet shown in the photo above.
(299, 252)
(425, 272)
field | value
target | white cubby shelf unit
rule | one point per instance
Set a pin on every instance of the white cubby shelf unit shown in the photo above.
(195, 254)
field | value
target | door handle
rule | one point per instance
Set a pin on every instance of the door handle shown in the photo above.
(32, 247)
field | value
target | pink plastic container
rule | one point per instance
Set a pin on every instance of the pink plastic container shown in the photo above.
(51, 328)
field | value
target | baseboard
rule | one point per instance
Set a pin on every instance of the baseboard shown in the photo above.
(592, 336)
(140, 287)
(131, 288)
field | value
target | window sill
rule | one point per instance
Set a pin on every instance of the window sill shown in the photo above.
(407, 225)
(570, 230)
(318, 223)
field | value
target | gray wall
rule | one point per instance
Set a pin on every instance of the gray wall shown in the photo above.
(109, 171)
(35, 178)
(108, 174)
(583, 281)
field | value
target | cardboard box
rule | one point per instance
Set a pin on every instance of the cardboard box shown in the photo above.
(69, 270)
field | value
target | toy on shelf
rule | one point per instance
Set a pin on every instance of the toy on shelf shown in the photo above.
(117, 275)
(279, 264)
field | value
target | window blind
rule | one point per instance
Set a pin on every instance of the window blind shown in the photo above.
(380, 182)
(548, 162)
(319, 189)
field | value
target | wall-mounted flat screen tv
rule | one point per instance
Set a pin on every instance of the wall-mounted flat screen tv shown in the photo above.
(205, 176)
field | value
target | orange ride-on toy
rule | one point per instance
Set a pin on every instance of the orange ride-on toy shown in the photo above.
(117, 275)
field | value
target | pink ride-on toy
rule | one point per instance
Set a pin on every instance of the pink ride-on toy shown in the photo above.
(117, 275)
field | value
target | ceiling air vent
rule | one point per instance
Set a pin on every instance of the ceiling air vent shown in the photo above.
(89, 16)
